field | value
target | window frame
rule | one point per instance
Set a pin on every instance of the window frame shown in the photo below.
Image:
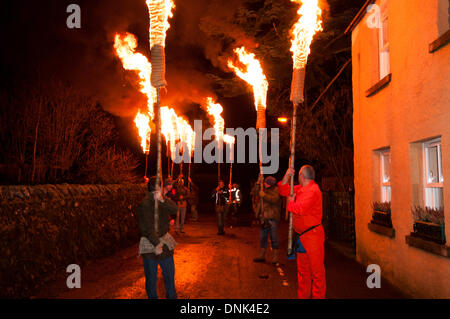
(384, 66)
(383, 184)
(425, 168)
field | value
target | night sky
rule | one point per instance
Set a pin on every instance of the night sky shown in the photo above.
(38, 46)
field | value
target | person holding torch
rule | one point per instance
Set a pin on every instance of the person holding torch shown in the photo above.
(306, 209)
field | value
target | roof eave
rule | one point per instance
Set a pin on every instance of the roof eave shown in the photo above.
(358, 17)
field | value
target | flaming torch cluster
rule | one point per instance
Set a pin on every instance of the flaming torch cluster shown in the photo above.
(177, 130)
(308, 24)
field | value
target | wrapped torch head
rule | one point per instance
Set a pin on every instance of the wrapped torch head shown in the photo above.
(260, 117)
(297, 85)
(158, 77)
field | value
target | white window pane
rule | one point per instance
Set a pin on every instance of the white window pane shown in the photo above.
(386, 165)
(384, 64)
(385, 194)
(434, 197)
(441, 175)
(432, 165)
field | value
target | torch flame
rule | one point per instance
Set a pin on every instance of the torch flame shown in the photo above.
(176, 129)
(308, 24)
(253, 75)
(125, 46)
(215, 109)
(160, 12)
(142, 123)
(229, 139)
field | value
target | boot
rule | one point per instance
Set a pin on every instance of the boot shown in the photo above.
(275, 256)
(261, 257)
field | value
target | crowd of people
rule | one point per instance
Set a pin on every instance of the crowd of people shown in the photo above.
(156, 247)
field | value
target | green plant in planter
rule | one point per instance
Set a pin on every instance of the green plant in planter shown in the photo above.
(429, 222)
(382, 213)
(427, 214)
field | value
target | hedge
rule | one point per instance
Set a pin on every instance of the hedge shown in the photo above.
(45, 228)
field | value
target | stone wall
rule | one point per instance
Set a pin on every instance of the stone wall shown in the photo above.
(45, 228)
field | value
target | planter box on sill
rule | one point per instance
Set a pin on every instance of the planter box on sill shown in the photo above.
(382, 218)
(428, 246)
(429, 231)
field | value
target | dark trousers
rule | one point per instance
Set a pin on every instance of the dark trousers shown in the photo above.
(220, 214)
(271, 232)
(151, 274)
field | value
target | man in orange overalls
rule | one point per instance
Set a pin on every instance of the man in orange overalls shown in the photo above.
(306, 209)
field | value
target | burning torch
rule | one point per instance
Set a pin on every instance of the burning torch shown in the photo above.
(159, 11)
(308, 24)
(253, 74)
(229, 140)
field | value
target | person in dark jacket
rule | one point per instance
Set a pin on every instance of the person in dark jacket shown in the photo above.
(269, 215)
(234, 202)
(181, 193)
(220, 200)
(157, 248)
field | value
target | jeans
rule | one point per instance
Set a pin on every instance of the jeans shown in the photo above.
(151, 274)
(271, 231)
(181, 215)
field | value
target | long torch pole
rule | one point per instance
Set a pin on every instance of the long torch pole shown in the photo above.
(291, 165)
(260, 124)
(146, 163)
(158, 158)
(168, 159)
(189, 175)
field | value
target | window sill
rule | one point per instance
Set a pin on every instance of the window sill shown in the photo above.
(440, 42)
(383, 230)
(429, 246)
(380, 85)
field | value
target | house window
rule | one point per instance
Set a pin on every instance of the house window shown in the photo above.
(383, 38)
(385, 169)
(433, 177)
